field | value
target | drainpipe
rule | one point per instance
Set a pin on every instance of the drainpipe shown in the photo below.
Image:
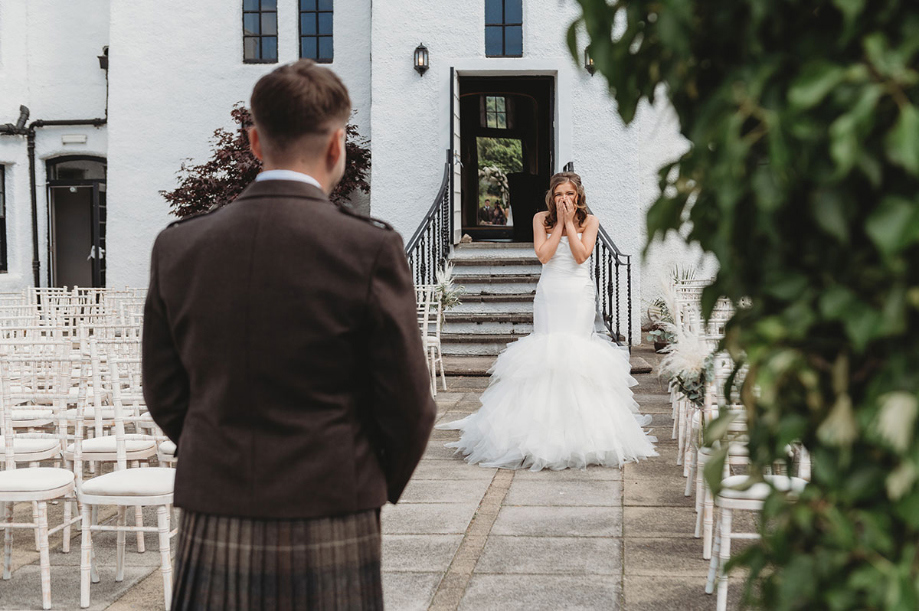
(29, 132)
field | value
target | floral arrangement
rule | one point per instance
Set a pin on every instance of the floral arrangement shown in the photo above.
(689, 360)
(447, 292)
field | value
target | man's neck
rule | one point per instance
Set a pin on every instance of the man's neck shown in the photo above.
(321, 177)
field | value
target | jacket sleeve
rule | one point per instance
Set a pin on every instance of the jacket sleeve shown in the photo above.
(402, 406)
(166, 388)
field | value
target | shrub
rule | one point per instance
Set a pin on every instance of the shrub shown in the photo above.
(803, 180)
(232, 167)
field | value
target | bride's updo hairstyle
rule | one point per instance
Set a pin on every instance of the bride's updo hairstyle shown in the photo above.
(561, 178)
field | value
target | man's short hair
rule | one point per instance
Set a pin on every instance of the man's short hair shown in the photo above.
(298, 100)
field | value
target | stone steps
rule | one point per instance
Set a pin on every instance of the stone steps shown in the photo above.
(497, 283)
(465, 367)
(489, 323)
(511, 303)
(500, 280)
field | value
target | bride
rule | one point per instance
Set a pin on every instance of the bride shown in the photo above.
(559, 397)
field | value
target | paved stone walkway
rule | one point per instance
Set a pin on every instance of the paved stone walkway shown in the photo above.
(470, 538)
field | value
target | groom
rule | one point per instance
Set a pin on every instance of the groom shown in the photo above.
(282, 355)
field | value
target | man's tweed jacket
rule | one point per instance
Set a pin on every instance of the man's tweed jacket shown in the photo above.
(282, 355)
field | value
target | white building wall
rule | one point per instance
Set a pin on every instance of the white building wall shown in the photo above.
(48, 52)
(411, 115)
(660, 143)
(176, 72)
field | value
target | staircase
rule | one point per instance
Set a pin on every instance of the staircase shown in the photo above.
(497, 308)
(500, 280)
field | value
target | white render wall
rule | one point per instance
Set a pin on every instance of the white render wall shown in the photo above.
(660, 143)
(176, 72)
(412, 127)
(48, 62)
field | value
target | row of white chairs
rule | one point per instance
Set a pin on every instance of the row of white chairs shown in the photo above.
(67, 401)
(739, 492)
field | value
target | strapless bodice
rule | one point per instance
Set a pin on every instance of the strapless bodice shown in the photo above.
(563, 262)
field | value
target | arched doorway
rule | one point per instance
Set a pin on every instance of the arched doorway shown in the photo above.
(76, 221)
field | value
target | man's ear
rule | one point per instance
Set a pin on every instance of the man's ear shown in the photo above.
(255, 143)
(335, 147)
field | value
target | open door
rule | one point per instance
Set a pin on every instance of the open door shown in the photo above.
(505, 145)
(456, 188)
(77, 221)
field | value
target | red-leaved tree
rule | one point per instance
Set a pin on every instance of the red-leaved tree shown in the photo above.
(232, 167)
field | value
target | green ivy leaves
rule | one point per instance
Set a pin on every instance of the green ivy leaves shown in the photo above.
(803, 180)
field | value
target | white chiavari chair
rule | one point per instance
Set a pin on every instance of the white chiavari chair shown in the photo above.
(737, 494)
(101, 447)
(125, 487)
(428, 315)
(35, 484)
(432, 342)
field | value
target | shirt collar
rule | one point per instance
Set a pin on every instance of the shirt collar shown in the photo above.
(288, 175)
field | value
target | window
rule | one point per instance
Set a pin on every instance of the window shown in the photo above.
(3, 266)
(260, 31)
(496, 112)
(504, 28)
(316, 30)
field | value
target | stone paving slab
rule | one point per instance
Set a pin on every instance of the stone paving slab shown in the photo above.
(559, 522)
(667, 593)
(651, 493)
(23, 591)
(576, 492)
(541, 592)
(409, 591)
(665, 556)
(551, 556)
(655, 522)
(592, 473)
(437, 451)
(419, 553)
(432, 518)
(455, 470)
(444, 491)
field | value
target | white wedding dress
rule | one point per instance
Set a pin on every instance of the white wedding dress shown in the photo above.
(560, 397)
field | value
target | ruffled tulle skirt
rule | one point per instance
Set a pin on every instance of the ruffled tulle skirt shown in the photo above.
(556, 401)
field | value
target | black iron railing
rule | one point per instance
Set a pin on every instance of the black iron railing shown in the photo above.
(611, 269)
(429, 247)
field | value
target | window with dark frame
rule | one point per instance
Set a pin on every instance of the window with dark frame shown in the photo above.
(504, 28)
(316, 30)
(260, 31)
(496, 112)
(3, 264)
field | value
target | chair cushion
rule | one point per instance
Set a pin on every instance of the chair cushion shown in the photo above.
(29, 446)
(167, 448)
(132, 482)
(760, 490)
(735, 449)
(108, 413)
(23, 414)
(106, 444)
(36, 479)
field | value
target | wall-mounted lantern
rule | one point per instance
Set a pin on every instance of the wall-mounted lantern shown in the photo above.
(103, 59)
(422, 61)
(589, 62)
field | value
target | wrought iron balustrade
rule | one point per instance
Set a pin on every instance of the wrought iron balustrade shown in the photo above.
(610, 269)
(429, 247)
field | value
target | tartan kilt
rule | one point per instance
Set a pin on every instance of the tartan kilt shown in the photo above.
(237, 564)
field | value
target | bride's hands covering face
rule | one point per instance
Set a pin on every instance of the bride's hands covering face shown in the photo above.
(566, 210)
